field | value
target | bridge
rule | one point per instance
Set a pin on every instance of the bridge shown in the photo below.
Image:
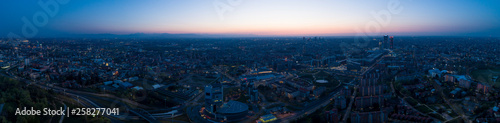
(144, 114)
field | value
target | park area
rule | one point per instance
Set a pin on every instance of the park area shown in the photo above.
(488, 75)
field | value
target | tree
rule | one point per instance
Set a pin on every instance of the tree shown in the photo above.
(3, 119)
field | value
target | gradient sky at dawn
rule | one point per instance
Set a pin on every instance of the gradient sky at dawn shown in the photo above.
(260, 17)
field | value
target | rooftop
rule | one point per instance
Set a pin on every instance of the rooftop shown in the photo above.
(459, 77)
(268, 118)
(233, 107)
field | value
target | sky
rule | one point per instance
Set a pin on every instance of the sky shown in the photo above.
(256, 17)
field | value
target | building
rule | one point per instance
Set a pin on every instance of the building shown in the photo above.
(254, 96)
(368, 101)
(26, 62)
(231, 111)
(371, 90)
(250, 87)
(411, 118)
(449, 78)
(213, 97)
(332, 116)
(301, 84)
(126, 85)
(392, 42)
(217, 110)
(464, 83)
(251, 91)
(455, 93)
(318, 91)
(262, 75)
(346, 91)
(462, 80)
(108, 82)
(470, 106)
(369, 117)
(340, 102)
(384, 43)
(482, 88)
(435, 73)
(268, 118)
(293, 94)
(369, 82)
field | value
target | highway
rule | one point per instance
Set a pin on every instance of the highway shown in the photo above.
(81, 97)
(348, 111)
(136, 111)
(312, 107)
(455, 109)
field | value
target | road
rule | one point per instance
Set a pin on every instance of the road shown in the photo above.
(413, 108)
(62, 116)
(312, 107)
(218, 69)
(80, 97)
(346, 115)
(355, 84)
(457, 110)
(194, 114)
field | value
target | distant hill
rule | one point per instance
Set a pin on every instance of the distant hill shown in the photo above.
(151, 35)
(134, 35)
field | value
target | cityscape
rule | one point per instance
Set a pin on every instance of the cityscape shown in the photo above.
(122, 66)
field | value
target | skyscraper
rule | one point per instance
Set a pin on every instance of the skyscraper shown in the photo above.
(254, 97)
(392, 42)
(27, 62)
(384, 43)
(380, 44)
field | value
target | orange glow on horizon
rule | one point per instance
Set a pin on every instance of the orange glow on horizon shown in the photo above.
(282, 31)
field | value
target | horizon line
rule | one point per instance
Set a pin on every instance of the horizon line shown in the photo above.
(233, 35)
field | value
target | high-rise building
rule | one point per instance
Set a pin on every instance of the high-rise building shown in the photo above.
(369, 117)
(332, 116)
(255, 95)
(250, 87)
(384, 43)
(392, 42)
(380, 44)
(26, 62)
(346, 91)
(340, 102)
(214, 97)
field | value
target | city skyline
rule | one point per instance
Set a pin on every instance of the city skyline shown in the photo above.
(255, 18)
(250, 61)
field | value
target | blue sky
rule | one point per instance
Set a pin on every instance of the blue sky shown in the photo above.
(260, 17)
